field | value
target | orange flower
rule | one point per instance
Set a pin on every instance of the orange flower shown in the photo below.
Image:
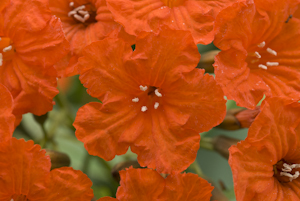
(84, 22)
(154, 100)
(7, 119)
(260, 51)
(196, 16)
(32, 41)
(266, 165)
(25, 175)
(149, 185)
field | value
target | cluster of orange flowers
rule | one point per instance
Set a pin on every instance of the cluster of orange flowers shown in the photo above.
(153, 98)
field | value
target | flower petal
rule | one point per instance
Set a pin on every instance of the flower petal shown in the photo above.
(44, 47)
(272, 137)
(102, 68)
(37, 88)
(186, 187)
(164, 147)
(24, 169)
(7, 119)
(31, 15)
(100, 126)
(140, 184)
(69, 184)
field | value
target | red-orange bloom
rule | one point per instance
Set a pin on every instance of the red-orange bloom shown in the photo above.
(260, 51)
(84, 22)
(196, 16)
(154, 100)
(7, 119)
(25, 175)
(149, 185)
(266, 165)
(32, 41)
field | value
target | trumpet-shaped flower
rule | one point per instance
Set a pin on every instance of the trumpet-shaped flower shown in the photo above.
(266, 165)
(149, 185)
(31, 42)
(260, 51)
(25, 175)
(84, 22)
(196, 16)
(154, 100)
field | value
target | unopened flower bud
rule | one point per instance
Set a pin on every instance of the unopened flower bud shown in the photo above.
(121, 166)
(58, 159)
(207, 60)
(222, 143)
(239, 118)
(246, 117)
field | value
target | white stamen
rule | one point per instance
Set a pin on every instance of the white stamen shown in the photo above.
(135, 100)
(86, 16)
(11, 199)
(257, 55)
(262, 44)
(291, 177)
(157, 93)
(144, 108)
(272, 51)
(288, 168)
(79, 18)
(79, 8)
(156, 104)
(143, 88)
(71, 4)
(83, 12)
(262, 66)
(0, 38)
(1, 59)
(72, 13)
(7, 48)
(272, 63)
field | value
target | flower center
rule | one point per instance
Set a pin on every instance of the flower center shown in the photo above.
(19, 198)
(7, 49)
(151, 91)
(85, 14)
(255, 57)
(286, 172)
(173, 3)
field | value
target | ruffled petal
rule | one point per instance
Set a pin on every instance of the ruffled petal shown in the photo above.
(196, 16)
(69, 184)
(37, 88)
(24, 170)
(246, 70)
(237, 82)
(166, 146)
(272, 137)
(44, 47)
(198, 96)
(136, 16)
(7, 119)
(252, 169)
(31, 15)
(100, 126)
(102, 68)
(165, 62)
(186, 187)
(140, 184)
